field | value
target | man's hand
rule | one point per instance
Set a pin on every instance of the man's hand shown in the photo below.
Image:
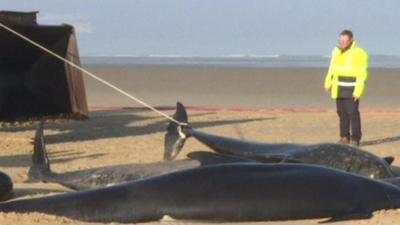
(355, 98)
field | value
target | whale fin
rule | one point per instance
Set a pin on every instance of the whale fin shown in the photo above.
(389, 159)
(40, 160)
(175, 137)
(210, 158)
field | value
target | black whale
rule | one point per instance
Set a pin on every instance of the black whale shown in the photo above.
(229, 192)
(343, 157)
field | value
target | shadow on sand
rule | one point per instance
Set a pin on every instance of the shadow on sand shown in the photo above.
(25, 160)
(380, 141)
(117, 124)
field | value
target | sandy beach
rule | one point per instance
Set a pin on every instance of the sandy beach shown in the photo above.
(268, 105)
(233, 87)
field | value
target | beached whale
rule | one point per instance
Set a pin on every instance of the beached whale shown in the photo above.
(343, 157)
(111, 175)
(229, 192)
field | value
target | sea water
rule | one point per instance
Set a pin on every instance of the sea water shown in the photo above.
(239, 60)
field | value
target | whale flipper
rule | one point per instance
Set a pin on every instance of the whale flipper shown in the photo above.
(175, 137)
(389, 159)
(40, 160)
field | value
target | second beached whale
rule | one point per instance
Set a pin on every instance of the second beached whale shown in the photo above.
(229, 192)
(343, 157)
(111, 175)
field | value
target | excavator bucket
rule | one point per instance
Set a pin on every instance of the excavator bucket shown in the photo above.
(33, 83)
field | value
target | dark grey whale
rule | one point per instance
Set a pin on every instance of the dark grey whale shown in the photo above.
(6, 187)
(229, 192)
(111, 175)
(343, 157)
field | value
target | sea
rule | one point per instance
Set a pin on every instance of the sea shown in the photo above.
(237, 60)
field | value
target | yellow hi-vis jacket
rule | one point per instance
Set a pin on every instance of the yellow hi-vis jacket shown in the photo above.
(353, 63)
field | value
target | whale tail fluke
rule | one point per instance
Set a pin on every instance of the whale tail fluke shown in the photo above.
(40, 160)
(176, 136)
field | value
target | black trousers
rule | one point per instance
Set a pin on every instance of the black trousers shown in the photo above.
(349, 116)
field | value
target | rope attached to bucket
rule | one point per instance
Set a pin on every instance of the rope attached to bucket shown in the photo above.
(90, 74)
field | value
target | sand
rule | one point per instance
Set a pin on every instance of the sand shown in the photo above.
(136, 136)
(113, 137)
(234, 87)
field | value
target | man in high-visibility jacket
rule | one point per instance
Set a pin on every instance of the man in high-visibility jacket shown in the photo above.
(345, 81)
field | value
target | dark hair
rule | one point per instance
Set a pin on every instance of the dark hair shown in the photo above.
(347, 33)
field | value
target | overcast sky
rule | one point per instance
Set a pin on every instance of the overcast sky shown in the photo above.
(220, 27)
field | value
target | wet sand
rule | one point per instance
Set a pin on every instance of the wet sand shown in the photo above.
(233, 87)
(136, 136)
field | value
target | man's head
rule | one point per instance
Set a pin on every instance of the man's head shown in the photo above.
(345, 39)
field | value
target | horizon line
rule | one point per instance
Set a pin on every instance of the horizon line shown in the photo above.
(234, 55)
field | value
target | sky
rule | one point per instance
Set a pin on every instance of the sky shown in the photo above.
(220, 27)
